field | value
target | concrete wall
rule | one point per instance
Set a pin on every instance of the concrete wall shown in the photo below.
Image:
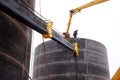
(15, 47)
(56, 62)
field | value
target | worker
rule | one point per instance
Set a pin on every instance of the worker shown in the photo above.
(75, 33)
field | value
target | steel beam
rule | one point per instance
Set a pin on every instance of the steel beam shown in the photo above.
(17, 10)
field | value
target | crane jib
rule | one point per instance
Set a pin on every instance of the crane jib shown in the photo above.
(27, 17)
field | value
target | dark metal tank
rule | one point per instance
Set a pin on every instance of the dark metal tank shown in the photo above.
(53, 61)
(15, 47)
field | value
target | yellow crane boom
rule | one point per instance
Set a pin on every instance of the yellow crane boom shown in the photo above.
(116, 75)
(76, 10)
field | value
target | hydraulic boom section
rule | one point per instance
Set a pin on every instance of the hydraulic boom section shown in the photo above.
(76, 10)
(116, 75)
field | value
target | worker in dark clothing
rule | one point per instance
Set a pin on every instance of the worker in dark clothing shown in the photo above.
(75, 33)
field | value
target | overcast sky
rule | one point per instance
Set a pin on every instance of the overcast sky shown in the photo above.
(99, 22)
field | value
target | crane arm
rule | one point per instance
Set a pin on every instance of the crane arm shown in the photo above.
(68, 27)
(92, 3)
(116, 76)
(76, 10)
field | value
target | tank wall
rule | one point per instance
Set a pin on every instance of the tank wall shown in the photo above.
(15, 47)
(58, 63)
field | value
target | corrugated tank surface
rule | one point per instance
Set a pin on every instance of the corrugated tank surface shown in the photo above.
(15, 47)
(53, 61)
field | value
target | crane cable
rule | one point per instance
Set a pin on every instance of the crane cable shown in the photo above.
(46, 65)
(45, 58)
(40, 5)
(31, 9)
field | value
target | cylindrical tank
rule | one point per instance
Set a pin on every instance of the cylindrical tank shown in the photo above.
(15, 47)
(53, 61)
